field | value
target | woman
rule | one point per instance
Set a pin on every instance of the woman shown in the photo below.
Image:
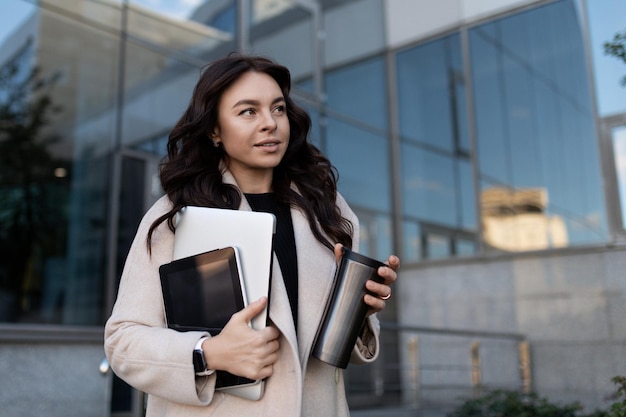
(242, 144)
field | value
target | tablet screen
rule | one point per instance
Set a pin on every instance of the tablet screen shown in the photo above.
(202, 292)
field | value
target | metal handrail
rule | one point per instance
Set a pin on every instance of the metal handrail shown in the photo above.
(422, 367)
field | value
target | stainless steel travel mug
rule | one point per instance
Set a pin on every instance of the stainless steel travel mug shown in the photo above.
(345, 311)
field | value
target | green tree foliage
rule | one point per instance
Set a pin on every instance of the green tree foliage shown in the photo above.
(617, 48)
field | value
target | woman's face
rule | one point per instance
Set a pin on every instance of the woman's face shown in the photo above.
(253, 128)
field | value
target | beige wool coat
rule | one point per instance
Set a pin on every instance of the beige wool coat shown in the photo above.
(157, 360)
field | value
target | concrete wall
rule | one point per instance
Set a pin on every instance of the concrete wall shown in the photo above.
(571, 306)
(53, 380)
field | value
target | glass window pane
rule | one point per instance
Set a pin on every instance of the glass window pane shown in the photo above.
(489, 111)
(412, 251)
(465, 248)
(431, 106)
(156, 92)
(54, 185)
(437, 246)
(315, 135)
(384, 238)
(376, 234)
(272, 29)
(428, 185)
(359, 92)
(361, 159)
(436, 170)
(220, 16)
(98, 14)
(535, 126)
(194, 29)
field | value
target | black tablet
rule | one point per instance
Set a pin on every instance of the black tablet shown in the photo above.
(203, 291)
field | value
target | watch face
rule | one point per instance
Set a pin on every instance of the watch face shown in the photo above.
(199, 364)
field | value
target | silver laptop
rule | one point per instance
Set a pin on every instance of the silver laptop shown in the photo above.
(202, 229)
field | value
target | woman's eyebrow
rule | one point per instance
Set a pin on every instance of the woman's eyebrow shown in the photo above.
(250, 102)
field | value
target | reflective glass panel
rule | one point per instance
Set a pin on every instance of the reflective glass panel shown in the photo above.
(176, 28)
(219, 14)
(360, 157)
(156, 93)
(412, 251)
(376, 234)
(58, 91)
(432, 106)
(438, 246)
(384, 238)
(436, 173)
(359, 93)
(429, 187)
(97, 14)
(465, 248)
(355, 138)
(283, 30)
(316, 133)
(536, 137)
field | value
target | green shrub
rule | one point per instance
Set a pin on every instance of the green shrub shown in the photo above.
(618, 409)
(505, 403)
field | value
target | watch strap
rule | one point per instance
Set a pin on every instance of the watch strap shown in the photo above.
(199, 362)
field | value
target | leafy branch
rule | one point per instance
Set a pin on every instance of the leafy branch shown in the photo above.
(617, 48)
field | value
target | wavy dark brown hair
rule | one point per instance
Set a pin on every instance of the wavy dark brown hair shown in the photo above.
(190, 173)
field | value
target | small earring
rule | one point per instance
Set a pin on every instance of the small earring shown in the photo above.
(216, 143)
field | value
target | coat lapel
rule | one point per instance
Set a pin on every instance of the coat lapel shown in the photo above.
(316, 268)
(280, 312)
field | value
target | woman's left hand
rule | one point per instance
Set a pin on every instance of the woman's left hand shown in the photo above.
(380, 292)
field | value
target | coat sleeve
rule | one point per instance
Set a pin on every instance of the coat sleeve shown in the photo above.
(140, 348)
(368, 344)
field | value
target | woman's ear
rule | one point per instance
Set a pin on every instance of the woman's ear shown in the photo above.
(215, 139)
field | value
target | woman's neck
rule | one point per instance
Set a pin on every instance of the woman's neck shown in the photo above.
(254, 182)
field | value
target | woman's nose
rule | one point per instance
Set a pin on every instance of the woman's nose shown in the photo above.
(268, 123)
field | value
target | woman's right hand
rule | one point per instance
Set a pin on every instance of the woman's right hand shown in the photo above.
(242, 350)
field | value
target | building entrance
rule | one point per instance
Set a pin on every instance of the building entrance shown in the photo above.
(137, 187)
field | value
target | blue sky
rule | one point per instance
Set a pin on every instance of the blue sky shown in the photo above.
(12, 14)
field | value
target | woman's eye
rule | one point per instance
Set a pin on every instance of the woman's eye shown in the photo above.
(247, 112)
(279, 109)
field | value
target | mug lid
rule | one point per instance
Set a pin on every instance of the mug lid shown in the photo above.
(365, 260)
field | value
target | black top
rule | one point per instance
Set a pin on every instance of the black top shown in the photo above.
(284, 244)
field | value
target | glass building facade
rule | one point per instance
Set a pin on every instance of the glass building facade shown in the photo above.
(502, 136)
